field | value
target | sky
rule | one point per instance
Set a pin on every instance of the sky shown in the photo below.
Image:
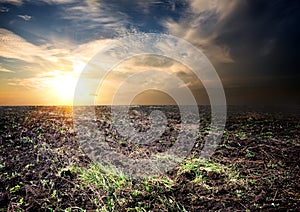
(252, 44)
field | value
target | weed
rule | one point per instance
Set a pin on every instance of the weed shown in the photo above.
(27, 140)
(135, 193)
(2, 165)
(197, 165)
(162, 181)
(241, 135)
(74, 209)
(239, 193)
(14, 189)
(44, 182)
(54, 194)
(249, 154)
(271, 165)
(29, 165)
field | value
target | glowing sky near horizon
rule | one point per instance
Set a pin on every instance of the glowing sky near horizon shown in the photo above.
(253, 45)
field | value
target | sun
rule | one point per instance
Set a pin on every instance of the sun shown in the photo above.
(64, 86)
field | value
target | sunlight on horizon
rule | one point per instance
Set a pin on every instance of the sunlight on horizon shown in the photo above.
(64, 87)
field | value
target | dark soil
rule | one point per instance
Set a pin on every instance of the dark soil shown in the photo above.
(260, 148)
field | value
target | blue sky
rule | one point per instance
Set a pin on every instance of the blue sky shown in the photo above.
(253, 44)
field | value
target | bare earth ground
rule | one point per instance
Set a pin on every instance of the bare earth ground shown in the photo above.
(256, 166)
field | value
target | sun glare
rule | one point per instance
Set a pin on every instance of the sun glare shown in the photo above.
(64, 86)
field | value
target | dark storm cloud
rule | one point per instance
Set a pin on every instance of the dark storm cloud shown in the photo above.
(264, 40)
(252, 44)
(263, 37)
